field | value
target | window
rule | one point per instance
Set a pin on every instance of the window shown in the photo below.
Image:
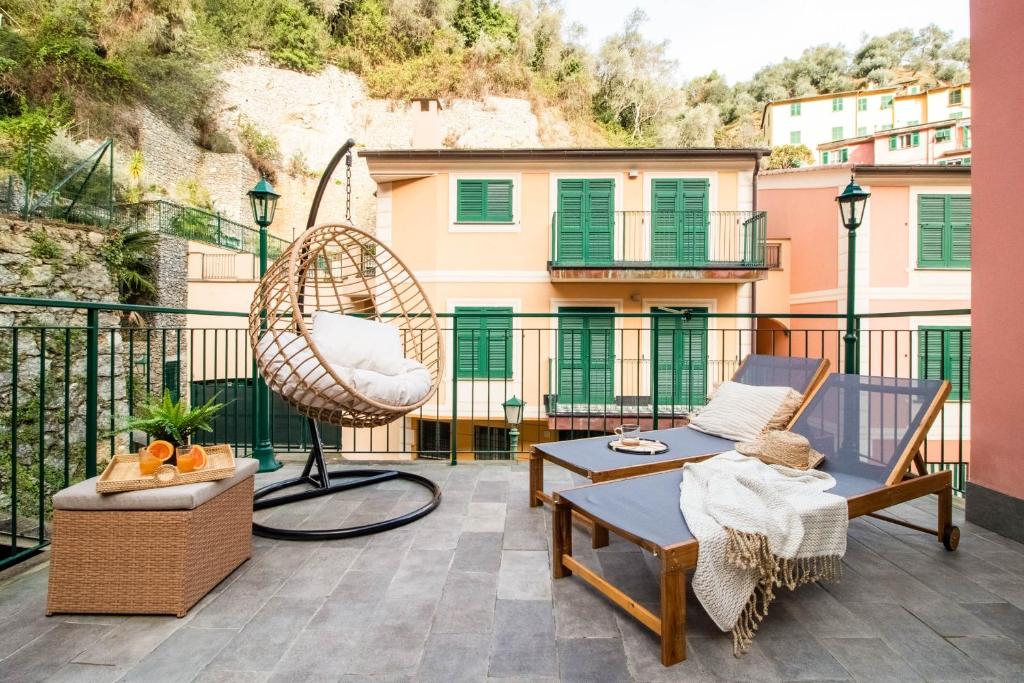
(484, 343)
(824, 157)
(862, 104)
(844, 155)
(943, 134)
(794, 109)
(956, 115)
(956, 97)
(837, 132)
(945, 353)
(886, 101)
(794, 137)
(484, 201)
(965, 136)
(862, 130)
(944, 231)
(434, 439)
(914, 90)
(491, 443)
(892, 142)
(586, 355)
(905, 140)
(837, 104)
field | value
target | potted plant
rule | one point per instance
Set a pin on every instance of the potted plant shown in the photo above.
(173, 421)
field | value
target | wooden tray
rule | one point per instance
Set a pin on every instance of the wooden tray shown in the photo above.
(122, 473)
(645, 447)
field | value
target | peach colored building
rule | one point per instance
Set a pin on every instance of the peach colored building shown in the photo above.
(586, 235)
(913, 254)
(995, 494)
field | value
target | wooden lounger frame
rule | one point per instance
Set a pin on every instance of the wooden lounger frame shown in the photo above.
(670, 623)
(599, 535)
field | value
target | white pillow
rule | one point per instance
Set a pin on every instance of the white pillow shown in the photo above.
(739, 412)
(358, 343)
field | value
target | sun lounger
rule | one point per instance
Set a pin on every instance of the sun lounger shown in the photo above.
(592, 458)
(870, 430)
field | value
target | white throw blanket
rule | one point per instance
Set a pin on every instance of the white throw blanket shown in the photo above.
(759, 526)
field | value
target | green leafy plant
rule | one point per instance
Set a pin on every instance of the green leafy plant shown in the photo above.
(789, 156)
(168, 420)
(129, 258)
(44, 248)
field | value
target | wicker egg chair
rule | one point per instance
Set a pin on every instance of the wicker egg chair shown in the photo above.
(338, 268)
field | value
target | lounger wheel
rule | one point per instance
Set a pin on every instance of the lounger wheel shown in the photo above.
(951, 537)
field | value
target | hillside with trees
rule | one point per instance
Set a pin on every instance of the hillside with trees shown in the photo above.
(83, 65)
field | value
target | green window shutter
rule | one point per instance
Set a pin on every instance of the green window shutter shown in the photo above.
(601, 220)
(485, 344)
(945, 353)
(862, 130)
(959, 231)
(824, 157)
(571, 236)
(794, 109)
(681, 375)
(837, 104)
(886, 101)
(915, 139)
(794, 137)
(931, 226)
(586, 356)
(844, 154)
(666, 220)
(862, 104)
(892, 142)
(967, 136)
(943, 134)
(484, 201)
(694, 247)
(837, 132)
(470, 201)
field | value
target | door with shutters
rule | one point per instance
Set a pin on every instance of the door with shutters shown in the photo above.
(681, 375)
(679, 221)
(944, 230)
(945, 353)
(586, 355)
(586, 221)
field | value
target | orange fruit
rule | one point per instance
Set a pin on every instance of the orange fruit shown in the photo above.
(161, 449)
(198, 457)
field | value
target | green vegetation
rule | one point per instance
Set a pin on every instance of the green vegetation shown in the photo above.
(67, 60)
(261, 148)
(789, 156)
(168, 420)
(44, 248)
(129, 258)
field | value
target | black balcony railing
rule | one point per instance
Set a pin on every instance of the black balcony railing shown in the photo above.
(659, 239)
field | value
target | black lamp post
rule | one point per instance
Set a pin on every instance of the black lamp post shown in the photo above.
(264, 202)
(513, 416)
(852, 203)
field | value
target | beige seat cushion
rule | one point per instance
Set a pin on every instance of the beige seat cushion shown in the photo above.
(83, 495)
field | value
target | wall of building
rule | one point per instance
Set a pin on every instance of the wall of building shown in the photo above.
(996, 494)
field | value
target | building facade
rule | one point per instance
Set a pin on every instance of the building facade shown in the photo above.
(945, 143)
(582, 240)
(861, 121)
(913, 254)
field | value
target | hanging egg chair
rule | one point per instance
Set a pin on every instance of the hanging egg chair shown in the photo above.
(370, 303)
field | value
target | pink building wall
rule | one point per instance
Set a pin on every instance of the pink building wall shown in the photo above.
(805, 216)
(998, 307)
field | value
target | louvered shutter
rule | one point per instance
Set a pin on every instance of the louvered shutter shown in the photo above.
(959, 230)
(485, 343)
(469, 334)
(931, 224)
(499, 201)
(470, 201)
(571, 384)
(694, 249)
(931, 343)
(682, 360)
(958, 346)
(601, 220)
(665, 220)
(570, 221)
(601, 370)
(498, 351)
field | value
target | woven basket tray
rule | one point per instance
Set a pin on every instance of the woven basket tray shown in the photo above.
(122, 474)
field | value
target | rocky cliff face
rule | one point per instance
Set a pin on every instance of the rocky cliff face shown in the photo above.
(310, 116)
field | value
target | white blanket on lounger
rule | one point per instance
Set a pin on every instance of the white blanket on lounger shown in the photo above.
(759, 526)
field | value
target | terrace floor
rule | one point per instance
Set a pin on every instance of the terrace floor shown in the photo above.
(466, 595)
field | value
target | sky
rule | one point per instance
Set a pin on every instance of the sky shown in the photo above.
(737, 37)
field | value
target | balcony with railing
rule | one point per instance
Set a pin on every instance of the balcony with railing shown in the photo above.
(632, 245)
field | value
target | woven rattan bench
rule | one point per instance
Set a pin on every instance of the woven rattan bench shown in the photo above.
(157, 551)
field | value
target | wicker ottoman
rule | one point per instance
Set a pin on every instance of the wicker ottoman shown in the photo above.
(157, 551)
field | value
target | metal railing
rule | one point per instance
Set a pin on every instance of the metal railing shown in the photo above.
(68, 384)
(196, 224)
(660, 239)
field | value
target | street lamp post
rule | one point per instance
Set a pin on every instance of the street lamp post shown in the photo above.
(852, 203)
(264, 202)
(513, 416)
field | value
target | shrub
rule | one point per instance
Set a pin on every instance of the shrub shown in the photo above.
(261, 148)
(789, 156)
(44, 248)
(295, 38)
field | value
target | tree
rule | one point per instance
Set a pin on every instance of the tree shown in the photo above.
(788, 156)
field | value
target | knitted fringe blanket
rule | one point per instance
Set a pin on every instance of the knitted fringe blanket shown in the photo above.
(759, 527)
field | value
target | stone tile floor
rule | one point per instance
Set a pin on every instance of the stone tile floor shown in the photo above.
(465, 595)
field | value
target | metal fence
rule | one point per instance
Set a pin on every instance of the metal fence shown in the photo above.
(67, 385)
(660, 239)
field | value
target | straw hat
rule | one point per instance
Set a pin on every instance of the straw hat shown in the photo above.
(782, 448)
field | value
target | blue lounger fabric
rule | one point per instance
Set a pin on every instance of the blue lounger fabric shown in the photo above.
(882, 413)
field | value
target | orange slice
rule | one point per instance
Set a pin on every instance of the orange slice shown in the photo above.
(198, 457)
(161, 449)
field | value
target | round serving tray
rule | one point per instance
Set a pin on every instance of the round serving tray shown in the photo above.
(645, 447)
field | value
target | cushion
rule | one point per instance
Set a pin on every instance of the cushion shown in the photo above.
(787, 409)
(739, 412)
(354, 342)
(302, 379)
(83, 495)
